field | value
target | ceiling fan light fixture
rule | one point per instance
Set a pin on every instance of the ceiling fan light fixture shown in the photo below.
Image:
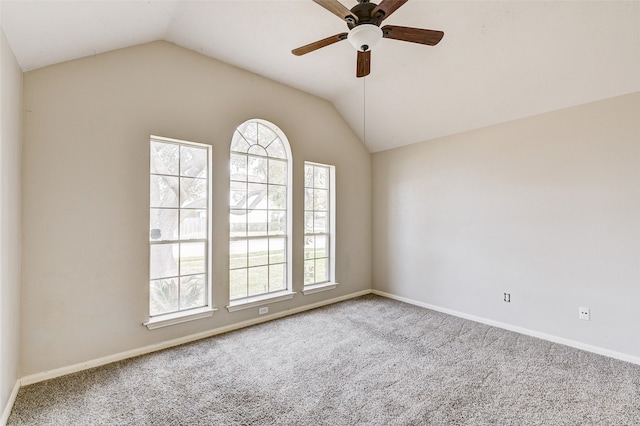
(365, 36)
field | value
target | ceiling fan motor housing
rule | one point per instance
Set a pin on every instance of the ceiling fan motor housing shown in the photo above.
(364, 12)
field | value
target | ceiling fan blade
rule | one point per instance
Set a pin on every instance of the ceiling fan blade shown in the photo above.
(337, 8)
(363, 68)
(414, 35)
(387, 7)
(318, 44)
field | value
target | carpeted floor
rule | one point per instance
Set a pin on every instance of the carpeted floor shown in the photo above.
(366, 361)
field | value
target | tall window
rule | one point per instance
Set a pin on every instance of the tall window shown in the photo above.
(259, 214)
(319, 215)
(179, 234)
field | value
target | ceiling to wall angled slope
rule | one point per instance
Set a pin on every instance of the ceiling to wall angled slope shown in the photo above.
(498, 60)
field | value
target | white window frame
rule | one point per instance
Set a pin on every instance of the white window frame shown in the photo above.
(190, 314)
(330, 234)
(287, 293)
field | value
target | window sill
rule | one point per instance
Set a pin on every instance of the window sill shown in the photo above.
(253, 302)
(310, 289)
(178, 317)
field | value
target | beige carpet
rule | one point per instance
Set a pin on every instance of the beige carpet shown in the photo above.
(367, 361)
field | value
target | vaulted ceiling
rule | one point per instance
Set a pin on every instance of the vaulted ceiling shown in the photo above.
(498, 60)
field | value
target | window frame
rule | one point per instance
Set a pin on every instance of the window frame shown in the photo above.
(330, 233)
(188, 314)
(251, 301)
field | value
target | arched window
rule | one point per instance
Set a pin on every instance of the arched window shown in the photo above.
(259, 213)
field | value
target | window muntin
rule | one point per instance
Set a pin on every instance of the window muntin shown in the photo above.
(179, 226)
(318, 223)
(259, 213)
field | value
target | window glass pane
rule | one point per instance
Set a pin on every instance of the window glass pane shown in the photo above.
(277, 172)
(163, 191)
(193, 224)
(277, 250)
(238, 143)
(237, 283)
(256, 196)
(308, 199)
(309, 275)
(192, 257)
(277, 197)
(238, 167)
(238, 254)
(238, 195)
(276, 149)
(308, 222)
(193, 193)
(308, 176)
(321, 177)
(320, 222)
(320, 199)
(265, 135)
(164, 158)
(276, 277)
(257, 169)
(258, 252)
(321, 271)
(250, 131)
(238, 223)
(322, 246)
(163, 224)
(192, 292)
(193, 161)
(163, 296)
(258, 280)
(309, 246)
(257, 223)
(163, 260)
(277, 222)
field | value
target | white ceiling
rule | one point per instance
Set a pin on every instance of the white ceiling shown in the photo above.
(498, 61)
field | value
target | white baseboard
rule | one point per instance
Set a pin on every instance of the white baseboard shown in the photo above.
(9, 406)
(46, 375)
(549, 337)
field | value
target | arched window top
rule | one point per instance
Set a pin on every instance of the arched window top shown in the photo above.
(261, 138)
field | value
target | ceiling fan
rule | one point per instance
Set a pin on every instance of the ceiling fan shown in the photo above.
(364, 21)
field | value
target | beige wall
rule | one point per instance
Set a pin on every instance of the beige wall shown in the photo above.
(10, 152)
(546, 208)
(86, 191)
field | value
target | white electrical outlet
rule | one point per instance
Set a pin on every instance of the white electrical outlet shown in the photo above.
(584, 314)
(263, 310)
